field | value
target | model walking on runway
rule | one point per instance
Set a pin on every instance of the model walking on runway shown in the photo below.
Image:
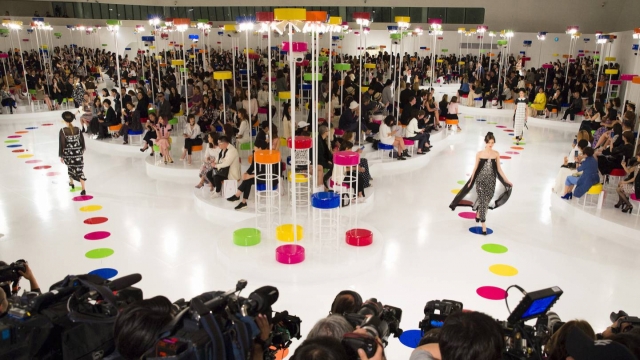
(70, 150)
(520, 116)
(485, 172)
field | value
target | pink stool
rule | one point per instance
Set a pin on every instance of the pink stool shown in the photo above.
(289, 254)
(379, 122)
(410, 144)
(359, 237)
(262, 110)
(342, 160)
(339, 132)
(346, 158)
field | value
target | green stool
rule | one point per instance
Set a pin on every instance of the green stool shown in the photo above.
(246, 237)
(246, 146)
(174, 123)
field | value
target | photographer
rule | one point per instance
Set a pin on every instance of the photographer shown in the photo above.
(346, 301)
(471, 335)
(556, 347)
(329, 348)
(5, 289)
(333, 325)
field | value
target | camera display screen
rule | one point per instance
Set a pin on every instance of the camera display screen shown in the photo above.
(539, 306)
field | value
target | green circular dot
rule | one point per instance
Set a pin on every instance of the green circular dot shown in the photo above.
(462, 182)
(494, 248)
(11, 141)
(76, 189)
(521, 143)
(100, 253)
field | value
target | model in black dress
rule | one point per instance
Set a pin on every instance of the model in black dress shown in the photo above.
(70, 150)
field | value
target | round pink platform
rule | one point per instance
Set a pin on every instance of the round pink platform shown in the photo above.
(359, 237)
(346, 158)
(467, 215)
(290, 254)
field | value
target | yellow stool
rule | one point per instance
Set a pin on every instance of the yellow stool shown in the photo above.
(285, 233)
(597, 190)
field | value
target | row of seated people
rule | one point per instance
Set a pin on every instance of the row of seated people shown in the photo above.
(586, 166)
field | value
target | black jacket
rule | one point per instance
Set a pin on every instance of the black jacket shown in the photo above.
(110, 117)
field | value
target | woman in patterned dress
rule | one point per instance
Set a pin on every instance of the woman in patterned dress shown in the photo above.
(70, 150)
(485, 172)
(520, 116)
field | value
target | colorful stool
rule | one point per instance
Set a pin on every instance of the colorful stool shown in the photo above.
(285, 233)
(290, 254)
(615, 176)
(326, 219)
(597, 190)
(359, 237)
(410, 144)
(246, 237)
(267, 194)
(345, 174)
(136, 133)
(300, 184)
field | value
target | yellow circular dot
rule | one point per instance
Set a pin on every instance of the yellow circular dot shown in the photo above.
(455, 191)
(90, 208)
(25, 156)
(503, 270)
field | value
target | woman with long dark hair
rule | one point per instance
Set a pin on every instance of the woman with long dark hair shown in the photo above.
(70, 150)
(485, 172)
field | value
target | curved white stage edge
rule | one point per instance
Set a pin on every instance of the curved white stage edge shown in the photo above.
(178, 172)
(115, 147)
(319, 265)
(611, 222)
(552, 122)
(35, 119)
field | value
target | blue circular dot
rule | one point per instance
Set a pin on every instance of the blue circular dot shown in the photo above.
(14, 146)
(32, 128)
(512, 134)
(105, 273)
(411, 338)
(482, 119)
(478, 230)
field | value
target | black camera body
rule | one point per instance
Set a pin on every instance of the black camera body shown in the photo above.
(436, 312)
(9, 273)
(352, 342)
(377, 319)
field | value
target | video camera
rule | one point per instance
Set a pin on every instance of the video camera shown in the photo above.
(436, 312)
(378, 320)
(220, 325)
(74, 320)
(624, 319)
(10, 274)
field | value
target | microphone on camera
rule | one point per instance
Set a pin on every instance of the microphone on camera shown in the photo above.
(262, 298)
(124, 282)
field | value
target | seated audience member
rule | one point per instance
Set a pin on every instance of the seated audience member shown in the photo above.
(593, 117)
(540, 102)
(163, 132)
(553, 103)
(630, 185)
(210, 157)
(470, 335)
(556, 347)
(151, 134)
(389, 137)
(262, 136)
(107, 120)
(333, 326)
(249, 178)
(607, 121)
(191, 135)
(443, 105)
(574, 108)
(571, 162)
(589, 177)
(349, 119)
(464, 86)
(348, 175)
(131, 122)
(325, 157)
(244, 132)
(407, 110)
(611, 157)
(476, 92)
(617, 130)
(413, 132)
(227, 166)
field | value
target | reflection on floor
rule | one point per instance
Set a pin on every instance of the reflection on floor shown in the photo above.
(132, 223)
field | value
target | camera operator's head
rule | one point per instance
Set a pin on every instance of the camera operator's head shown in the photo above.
(346, 302)
(4, 303)
(320, 348)
(556, 347)
(138, 326)
(631, 340)
(334, 325)
(471, 335)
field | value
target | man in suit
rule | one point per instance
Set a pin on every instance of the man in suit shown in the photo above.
(164, 108)
(227, 166)
(107, 120)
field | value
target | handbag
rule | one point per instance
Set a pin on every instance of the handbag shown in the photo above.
(229, 187)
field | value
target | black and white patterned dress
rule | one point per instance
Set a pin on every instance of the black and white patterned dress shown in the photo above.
(70, 149)
(485, 188)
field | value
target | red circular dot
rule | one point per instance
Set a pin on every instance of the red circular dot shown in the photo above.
(42, 167)
(97, 235)
(17, 150)
(96, 220)
(505, 157)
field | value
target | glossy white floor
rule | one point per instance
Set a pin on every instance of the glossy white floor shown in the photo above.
(428, 251)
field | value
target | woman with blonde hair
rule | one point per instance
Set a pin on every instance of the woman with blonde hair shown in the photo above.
(71, 149)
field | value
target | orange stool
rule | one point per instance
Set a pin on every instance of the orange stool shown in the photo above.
(114, 129)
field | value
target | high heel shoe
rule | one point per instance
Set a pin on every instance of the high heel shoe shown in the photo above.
(568, 196)
(617, 206)
(627, 209)
(83, 193)
(477, 220)
(143, 150)
(72, 185)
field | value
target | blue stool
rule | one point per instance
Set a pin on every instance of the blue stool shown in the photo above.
(219, 129)
(326, 219)
(382, 148)
(254, 133)
(263, 187)
(137, 133)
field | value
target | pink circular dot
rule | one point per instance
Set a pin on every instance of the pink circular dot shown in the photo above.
(82, 198)
(512, 152)
(97, 235)
(47, 124)
(467, 215)
(491, 293)
(53, 173)
(14, 136)
(501, 127)
(33, 161)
